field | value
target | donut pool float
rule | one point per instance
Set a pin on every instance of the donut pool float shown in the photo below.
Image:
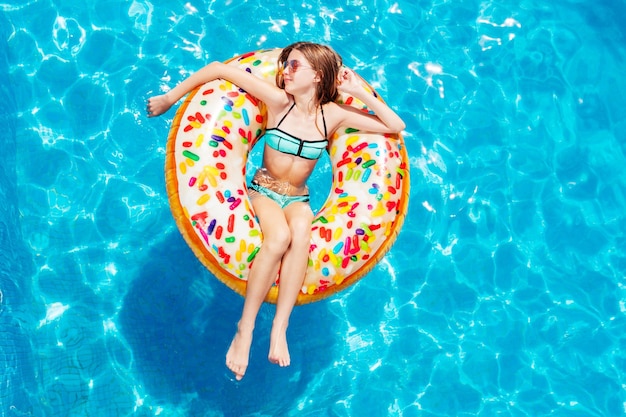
(209, 141)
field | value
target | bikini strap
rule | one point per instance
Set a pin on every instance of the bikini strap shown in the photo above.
(324, 120)
(281, 120)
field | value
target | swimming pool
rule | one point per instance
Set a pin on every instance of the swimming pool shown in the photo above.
(504, 294)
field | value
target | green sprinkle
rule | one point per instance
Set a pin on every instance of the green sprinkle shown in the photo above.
(191, 155)
(351, 130)
(253, 254)
(369, 163)
(230, 239)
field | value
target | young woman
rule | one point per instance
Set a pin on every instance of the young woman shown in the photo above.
(301, 118)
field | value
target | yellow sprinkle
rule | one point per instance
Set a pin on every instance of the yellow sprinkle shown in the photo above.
(240, 100)
(203, 199)
(351, 139)
(228, 123)
(348, 198)
(338, 233)
(199, 140)
(211, 170)
(339, 279)
(310, 289)
(379, 210)
(334, 259)
(189, 162)
(186, 212)
(183, 168)
(212, 181)
(251, 248)
(242, 245)
(238, 256)
(196, 124)
(201, 178)
(219, 132)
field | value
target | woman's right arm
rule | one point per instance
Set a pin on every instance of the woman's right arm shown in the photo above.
(263, 90)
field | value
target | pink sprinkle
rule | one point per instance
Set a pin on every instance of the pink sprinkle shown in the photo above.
(346, 247)
(235, 204)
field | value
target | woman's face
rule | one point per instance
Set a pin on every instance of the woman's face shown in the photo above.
(298, 72)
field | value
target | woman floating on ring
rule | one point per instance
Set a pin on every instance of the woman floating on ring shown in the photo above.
(302, 117)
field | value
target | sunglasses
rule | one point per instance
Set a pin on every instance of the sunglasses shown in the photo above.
(294, 65)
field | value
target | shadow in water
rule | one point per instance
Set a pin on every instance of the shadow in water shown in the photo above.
(179, 321)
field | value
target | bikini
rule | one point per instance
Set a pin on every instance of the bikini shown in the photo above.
(288, 144)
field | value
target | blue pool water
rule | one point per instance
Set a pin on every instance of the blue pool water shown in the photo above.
(505, 294)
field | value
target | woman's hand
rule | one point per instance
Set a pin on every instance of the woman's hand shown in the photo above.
(348, 81)
(158, 105)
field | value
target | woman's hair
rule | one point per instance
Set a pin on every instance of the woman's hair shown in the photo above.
(323, 60)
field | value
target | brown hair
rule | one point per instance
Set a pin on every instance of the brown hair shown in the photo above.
(323, 60)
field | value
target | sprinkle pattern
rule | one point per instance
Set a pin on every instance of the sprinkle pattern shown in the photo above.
(352, 231)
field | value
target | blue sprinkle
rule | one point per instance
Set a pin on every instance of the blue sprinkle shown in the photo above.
(366, 175)
(246, 119)
(211, 227)
(337, 248)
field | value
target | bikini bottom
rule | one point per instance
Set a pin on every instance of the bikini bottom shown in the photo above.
(264, 184)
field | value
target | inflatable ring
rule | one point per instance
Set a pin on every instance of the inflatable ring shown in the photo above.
(207, 151)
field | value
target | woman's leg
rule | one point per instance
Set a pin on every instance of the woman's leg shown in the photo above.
(293, 268)
(276, 239)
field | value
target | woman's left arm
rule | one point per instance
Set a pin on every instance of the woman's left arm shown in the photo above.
(384, 119)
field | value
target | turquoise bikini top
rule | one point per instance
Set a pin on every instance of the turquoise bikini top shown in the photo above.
(286, 143)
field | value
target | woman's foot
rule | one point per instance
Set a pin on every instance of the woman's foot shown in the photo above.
(238, 353)
(279, 351)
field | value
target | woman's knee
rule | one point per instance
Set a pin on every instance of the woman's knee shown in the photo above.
(300, 226)
(277, 240)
